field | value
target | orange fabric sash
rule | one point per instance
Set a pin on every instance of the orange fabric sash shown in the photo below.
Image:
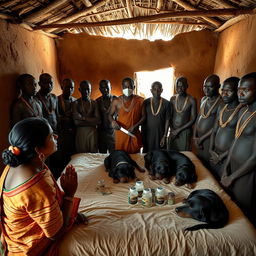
(126, 120)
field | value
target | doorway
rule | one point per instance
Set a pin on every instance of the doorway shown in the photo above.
(144, 80)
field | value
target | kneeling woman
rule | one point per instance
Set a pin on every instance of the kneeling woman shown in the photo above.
(35, 213)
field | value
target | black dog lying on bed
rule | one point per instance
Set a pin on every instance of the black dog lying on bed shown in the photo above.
(120, 166)
(162, 164)
(159, 165)
(206, 206)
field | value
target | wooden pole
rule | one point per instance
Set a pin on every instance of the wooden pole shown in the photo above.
(39, 14)
(190, 7)
(178, 22)
(205, 13)
(159, 6)
(129, 8)
(224, 3)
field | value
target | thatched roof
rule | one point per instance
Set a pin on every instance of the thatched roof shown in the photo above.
(125, 18)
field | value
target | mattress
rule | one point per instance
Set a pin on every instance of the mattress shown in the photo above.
(117, 228)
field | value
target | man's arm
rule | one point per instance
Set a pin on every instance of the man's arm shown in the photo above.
(245, 168)
(141, 121)
(81, 120)
(113, 110)
(193, 115)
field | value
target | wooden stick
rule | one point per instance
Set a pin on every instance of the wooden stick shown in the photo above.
(6, 17)
(224, 3)
(39, 14)
(178, 22)
(82, 13)
(206, 13)
(129, 8)
(190, 7)
(159, 6)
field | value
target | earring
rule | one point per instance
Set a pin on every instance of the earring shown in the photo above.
(41, 156)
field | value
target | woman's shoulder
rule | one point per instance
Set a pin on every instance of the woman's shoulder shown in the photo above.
(18, 176)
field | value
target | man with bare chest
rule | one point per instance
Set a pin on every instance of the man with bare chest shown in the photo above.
(86, 117)
(206, 118)
(128, 109)
(224, 128)
(106, 133)
(48, 100)
(27, 104)
(156, 112)
(239, 175)
(66, 125)
(184, 112)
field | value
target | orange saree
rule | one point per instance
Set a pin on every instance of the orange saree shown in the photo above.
(30, 213)
(127, 119)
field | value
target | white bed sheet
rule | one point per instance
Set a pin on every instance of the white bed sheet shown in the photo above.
(117, 228)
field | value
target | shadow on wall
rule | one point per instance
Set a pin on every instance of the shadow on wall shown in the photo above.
(7, 96)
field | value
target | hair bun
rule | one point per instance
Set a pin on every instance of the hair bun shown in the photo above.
(10, 159)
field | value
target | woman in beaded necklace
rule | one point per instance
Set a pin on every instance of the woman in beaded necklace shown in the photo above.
(184, 112)
(224, 129)
(206, 118)
(239, 175)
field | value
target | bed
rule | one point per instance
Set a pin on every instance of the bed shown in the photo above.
(117, 228)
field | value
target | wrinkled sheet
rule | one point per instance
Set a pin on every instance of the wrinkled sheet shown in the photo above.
(117, 228)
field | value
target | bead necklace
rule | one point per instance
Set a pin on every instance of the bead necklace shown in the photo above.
(224, 124)
(240, 129)
(29, 106)
(176, 104)
(50, 109)
(202, 112)
(131, 105)
(159, 106)
(83, 107)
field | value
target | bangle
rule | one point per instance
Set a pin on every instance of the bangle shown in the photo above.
(68, 198)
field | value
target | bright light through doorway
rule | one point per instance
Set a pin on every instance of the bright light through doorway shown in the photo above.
(144, 79)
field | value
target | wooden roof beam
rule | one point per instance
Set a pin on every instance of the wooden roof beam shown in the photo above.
(224, 3)
(41, 13)
(129, 8)
(82, 13)
(86, 3)
(188, 6)
(160, 5)
(201, 13)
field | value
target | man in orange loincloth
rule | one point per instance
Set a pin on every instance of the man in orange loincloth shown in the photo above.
(128, 108)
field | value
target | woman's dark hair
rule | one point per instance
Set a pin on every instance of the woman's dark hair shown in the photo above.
(26, 135)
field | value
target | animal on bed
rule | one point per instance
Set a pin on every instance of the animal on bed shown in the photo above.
(206, 206)
(162, 164)
(159, 165)
(120, 166)
(185, 171)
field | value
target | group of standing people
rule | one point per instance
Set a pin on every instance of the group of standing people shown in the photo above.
(225, 137)
(35, 213)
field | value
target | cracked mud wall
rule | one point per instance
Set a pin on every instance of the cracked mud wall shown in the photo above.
(21, 51)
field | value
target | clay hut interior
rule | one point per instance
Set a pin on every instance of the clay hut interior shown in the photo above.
(147, 40)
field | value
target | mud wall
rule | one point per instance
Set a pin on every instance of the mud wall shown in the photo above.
(236, 52)
(21, 51)
(94, 58)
